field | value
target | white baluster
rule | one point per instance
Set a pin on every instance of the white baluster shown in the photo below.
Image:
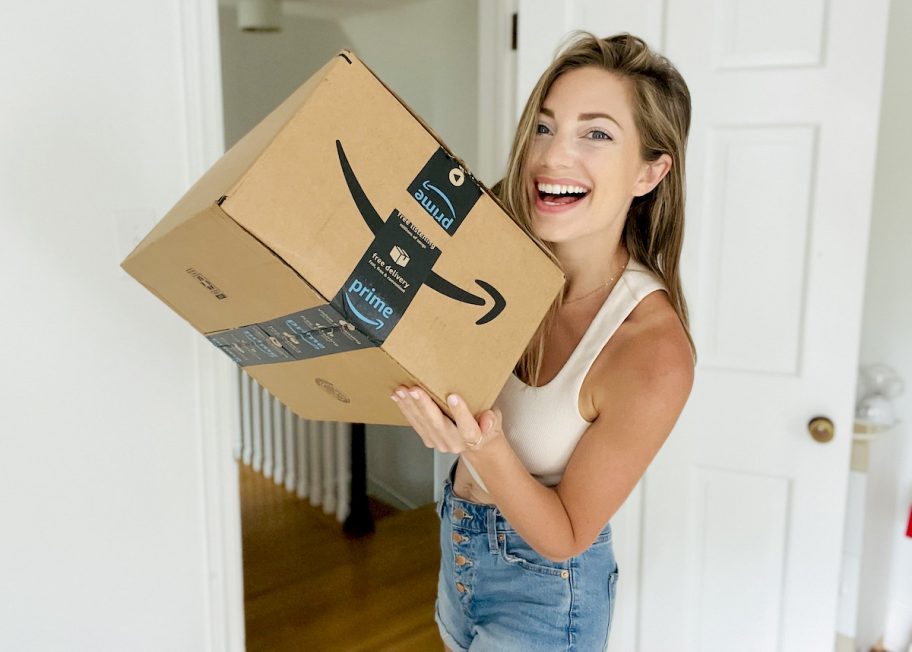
(290, 448)
(266, 400)
(343, 470)
(301, 460)
(329, 469)
(314, 459)
(246, 418)
(278, 442)
(256, 414)
(237, 448)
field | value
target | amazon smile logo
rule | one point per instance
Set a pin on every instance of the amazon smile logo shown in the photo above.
(369, 301)
(441, 171)
(426, 199)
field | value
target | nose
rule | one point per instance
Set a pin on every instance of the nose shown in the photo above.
(559, 153)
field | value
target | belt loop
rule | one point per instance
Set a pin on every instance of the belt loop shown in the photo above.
(491, 522)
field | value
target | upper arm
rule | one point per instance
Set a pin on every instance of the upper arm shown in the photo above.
(641, 394)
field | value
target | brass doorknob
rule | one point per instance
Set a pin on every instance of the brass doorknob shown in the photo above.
(821, 429)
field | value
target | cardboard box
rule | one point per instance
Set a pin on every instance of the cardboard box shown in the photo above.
(339, 250)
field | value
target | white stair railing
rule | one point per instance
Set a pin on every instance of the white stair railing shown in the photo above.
(310, 458)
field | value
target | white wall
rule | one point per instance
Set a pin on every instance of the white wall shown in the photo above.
(427, 53)
(260, 70)
(886, 580)
(104, 543)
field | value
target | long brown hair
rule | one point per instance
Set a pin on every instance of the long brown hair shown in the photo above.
(654, 229)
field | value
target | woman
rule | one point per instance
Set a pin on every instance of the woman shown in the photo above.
(597, 177)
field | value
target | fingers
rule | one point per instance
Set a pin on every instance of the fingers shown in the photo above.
(419, 410)
(433, 425)
(465, 422)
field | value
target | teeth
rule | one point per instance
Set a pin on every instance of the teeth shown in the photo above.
(559, 189)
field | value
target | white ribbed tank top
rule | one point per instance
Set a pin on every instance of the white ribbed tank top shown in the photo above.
(543, 424)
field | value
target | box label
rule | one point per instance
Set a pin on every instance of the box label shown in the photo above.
(445, 191)
(386, 279)
(310, 333)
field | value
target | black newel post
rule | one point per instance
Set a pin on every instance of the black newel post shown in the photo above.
(359, 521)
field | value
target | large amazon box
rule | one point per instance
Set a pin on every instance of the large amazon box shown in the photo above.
(340, 249)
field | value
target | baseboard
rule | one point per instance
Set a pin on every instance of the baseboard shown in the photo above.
(382, 491)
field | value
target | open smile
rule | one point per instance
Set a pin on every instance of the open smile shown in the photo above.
(558, 197)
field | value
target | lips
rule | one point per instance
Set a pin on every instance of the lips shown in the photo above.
(556, 195)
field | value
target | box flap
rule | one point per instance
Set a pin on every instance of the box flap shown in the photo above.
(217, 276)
(290, 212)
(229, 169)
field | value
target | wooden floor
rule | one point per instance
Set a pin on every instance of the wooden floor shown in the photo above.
(308, 587)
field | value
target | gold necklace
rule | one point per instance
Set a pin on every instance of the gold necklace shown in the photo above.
(601, 287)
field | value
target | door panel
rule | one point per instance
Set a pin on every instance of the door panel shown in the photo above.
(733, 539)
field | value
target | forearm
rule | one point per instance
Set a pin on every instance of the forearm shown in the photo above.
(534, 510)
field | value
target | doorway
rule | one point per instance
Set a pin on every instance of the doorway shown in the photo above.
(307, 584)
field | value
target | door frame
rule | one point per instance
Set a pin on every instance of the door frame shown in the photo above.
(217, 377)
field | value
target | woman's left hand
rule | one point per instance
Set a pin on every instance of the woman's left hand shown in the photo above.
(435, 428)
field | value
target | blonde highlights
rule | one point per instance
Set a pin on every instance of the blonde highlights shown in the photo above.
(654, 229)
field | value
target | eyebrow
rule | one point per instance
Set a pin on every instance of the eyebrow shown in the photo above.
(586, 116)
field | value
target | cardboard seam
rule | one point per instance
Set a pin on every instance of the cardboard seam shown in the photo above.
(227, 216)
(315, 290)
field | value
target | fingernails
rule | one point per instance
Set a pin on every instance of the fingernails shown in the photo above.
(415, 393)
(394, 397)
(401, 393)
(453, 400)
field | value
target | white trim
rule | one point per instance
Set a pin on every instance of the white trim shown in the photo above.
(496, 88)
(388, 495)
(216, 375)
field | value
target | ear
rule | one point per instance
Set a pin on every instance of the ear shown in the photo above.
(650, 175)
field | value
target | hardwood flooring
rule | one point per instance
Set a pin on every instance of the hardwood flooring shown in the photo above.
(308, 587)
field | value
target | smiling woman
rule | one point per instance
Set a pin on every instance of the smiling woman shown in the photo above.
(596, 176)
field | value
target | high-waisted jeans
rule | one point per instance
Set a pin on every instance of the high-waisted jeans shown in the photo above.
(495, 593)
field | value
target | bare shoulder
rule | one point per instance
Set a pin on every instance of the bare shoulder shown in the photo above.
(638, 388)
(649, 353)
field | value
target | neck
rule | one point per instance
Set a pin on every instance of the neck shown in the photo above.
(588, 266)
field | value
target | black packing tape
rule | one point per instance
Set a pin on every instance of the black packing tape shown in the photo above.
(445, 191)
(309, 333)
(386, 279)
(362, 314)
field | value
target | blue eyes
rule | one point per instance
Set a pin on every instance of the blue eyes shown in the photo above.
(542, 129)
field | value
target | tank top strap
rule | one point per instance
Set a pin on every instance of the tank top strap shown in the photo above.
(634, 285)
(544, 423)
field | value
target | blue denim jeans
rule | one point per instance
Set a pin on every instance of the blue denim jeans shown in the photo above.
(495, 593)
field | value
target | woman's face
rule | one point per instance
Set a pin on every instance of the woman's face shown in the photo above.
(584, 165)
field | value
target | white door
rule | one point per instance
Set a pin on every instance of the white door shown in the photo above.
(733, 540)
